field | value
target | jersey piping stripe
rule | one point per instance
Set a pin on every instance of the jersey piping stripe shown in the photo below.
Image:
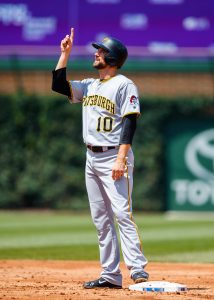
(130, 213)
(132, 113)
(72, 96)
(104, 80)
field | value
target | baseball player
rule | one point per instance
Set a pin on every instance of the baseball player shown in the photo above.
(110, 108)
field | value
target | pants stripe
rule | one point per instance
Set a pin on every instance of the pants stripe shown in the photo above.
(131, 216)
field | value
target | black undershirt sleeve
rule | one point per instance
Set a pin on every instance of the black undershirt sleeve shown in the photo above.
(59, 82)
(128, 129)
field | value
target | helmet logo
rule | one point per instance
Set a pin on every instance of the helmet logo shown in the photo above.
(105, 39)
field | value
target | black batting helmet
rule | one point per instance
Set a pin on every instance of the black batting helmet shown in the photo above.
(116, 51)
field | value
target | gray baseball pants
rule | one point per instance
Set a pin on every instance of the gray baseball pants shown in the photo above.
(111, 200)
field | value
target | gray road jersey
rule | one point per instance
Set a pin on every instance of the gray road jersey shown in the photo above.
(104, 104)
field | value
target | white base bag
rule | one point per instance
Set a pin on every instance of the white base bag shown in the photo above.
(158, 286)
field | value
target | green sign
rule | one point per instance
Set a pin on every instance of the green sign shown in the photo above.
(190, 165)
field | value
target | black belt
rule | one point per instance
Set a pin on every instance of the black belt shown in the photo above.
(101, 148)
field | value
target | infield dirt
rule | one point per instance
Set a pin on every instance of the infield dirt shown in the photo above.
(38, 280)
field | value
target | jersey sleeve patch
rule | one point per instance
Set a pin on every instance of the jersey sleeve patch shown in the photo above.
(129, 100)
(134, 102)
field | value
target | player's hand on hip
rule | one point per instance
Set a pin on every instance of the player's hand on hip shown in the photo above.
(118, 169)
(67, 42)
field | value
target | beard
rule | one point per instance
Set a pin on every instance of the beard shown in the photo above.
(99, 65)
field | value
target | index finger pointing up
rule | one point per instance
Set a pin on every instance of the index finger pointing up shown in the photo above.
(72, 34)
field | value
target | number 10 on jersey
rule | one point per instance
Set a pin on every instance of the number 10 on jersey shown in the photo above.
(104, 124)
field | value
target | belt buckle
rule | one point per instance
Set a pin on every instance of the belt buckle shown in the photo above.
(104, 148)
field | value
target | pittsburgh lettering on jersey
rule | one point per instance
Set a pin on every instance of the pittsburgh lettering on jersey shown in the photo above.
(96, 100)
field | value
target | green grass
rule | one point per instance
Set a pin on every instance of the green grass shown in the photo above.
(55, 235)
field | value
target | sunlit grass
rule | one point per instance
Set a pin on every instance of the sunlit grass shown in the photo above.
(57, 235)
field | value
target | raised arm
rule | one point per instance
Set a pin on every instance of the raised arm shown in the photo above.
(59, 81)
(66, 47)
